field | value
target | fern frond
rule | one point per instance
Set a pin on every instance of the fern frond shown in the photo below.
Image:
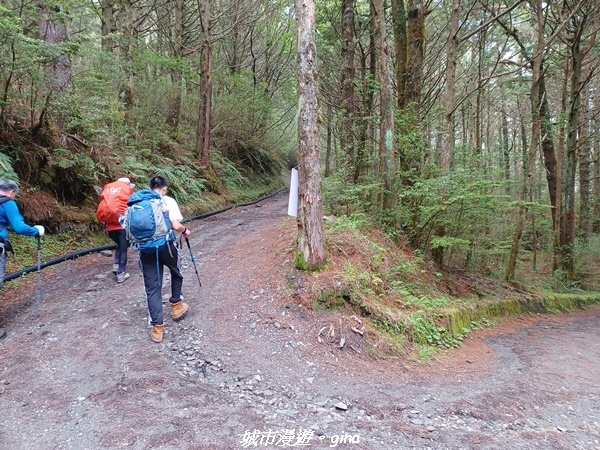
(6, 169)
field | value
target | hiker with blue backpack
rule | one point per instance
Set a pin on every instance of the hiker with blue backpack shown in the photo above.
(10, 215)
(151, 230)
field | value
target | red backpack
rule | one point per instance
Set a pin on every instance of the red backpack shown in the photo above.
(113, 201)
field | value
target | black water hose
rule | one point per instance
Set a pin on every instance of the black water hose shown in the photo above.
(79, 253)
(212, 213)
(68, 257)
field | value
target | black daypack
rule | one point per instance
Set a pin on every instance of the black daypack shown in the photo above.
(5, 245)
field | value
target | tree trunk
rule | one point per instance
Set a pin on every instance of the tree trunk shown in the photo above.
(472, 112)
(594, 130)
(560, 157)
(478, 111)
(369, 147)
(448, 138)
(234, 57)
(596, 167)
(400, 50)
(505, 145)
(567, 241)
(579, 24)
(127, 90)
(362, 142)
(386, 127)
(550, 160)
(109, 27)
(416, 53)
(329, 140)
(311, 238)
(347, 75)
(585, 169)
(176, 78)
(204, 123)
(449, 101)
(53, 31)
(536, 69)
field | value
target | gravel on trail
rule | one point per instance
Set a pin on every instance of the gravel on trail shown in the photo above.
(244, 368)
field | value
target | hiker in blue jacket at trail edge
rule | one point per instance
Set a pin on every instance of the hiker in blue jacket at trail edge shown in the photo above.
(10, 215)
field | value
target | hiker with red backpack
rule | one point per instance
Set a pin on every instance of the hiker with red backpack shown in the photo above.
(10, 215)
(151, 230)
(112, 205)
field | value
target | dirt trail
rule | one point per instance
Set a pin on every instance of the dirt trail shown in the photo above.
(244, 369)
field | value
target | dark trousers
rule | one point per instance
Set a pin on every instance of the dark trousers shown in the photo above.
(3, 259)
(120, 238)
(152, 270)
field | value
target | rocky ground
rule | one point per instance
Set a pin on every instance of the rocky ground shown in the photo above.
(246, 367)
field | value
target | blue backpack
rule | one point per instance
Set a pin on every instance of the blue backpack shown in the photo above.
(146, 222)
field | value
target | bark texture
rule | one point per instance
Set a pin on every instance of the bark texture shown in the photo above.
(311, 239)
(204, 115)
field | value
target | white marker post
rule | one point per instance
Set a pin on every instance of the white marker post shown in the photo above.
(293, 202)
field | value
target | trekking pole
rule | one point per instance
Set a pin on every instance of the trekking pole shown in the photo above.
(187, 241)
(38, 295)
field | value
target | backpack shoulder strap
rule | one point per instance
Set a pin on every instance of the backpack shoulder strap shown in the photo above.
(4, 199)
(144, 194)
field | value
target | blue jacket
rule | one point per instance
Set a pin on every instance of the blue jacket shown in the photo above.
(10, 215)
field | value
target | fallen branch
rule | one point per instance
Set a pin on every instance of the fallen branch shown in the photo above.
(319, 335)
(77, 138)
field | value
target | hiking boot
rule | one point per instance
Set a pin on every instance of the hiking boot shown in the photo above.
(178, 310)
(122, 277)
(2, 333)
(115, 268)
(156, 333)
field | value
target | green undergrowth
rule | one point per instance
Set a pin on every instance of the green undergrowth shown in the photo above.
(58, 245)
(411, 305)
(51, 246)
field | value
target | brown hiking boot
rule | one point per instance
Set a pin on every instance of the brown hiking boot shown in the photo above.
(156, 333)
(178, 310)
